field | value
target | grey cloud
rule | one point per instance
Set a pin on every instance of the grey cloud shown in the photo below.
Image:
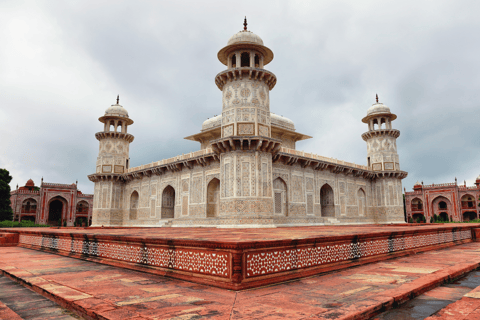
(330, 59)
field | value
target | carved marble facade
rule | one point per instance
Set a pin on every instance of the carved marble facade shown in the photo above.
(247, 172)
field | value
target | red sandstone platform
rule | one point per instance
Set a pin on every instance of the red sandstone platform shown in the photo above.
(98, 291)
(243, 258)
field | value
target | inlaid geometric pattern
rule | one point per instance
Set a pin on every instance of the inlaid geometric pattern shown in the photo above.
(273, 261)
(191, 260)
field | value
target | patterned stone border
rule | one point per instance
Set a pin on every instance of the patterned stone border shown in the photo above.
(191, 260)
(274, 261)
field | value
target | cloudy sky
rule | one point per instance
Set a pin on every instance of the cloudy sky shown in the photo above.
(62, 63)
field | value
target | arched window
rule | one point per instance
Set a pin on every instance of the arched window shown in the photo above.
(133, 205)
(82, 207)
(168, 202)
(417, 204)
(327, 201)
(234, 61)
(375, 122)
(362, 203)
(245, 59)
(29, 206)
(442, 205)
(257, 61)
(280, 197)
(468, 202)
(111, 126)
(213, 198)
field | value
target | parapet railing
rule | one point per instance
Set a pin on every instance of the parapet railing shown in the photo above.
(25, 191)
(184, 156)
(47, 184)
(439, 185)
(467, 187)
(322, 158)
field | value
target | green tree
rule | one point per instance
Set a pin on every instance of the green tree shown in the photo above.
(6, 212)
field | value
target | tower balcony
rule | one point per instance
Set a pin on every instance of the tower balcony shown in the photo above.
(380, 132)
(239, 73)
(112, 134)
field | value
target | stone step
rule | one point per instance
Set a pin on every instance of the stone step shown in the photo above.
(18, 302)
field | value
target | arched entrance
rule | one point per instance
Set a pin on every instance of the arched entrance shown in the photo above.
(55, 211)
(168, 202)
(417, 217)
(213, 198)
(444, 216)
(442, 207)
(326, 201)
(469, 215)
(280, 196)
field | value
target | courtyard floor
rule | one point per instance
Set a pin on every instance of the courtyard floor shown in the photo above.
(105, 292)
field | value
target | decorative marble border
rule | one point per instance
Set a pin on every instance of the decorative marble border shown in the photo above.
(190, 260)
(274, 261)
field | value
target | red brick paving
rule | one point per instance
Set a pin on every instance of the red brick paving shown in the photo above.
(106, 292)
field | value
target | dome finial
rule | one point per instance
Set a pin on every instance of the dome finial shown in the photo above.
(376, 97)
(245, 24)
(118, 98)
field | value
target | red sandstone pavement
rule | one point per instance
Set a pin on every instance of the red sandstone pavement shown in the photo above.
(466, 308)
(239, 235)
(105, 292)
(6, 313)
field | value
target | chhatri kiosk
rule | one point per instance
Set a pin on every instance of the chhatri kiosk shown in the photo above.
(247, 172)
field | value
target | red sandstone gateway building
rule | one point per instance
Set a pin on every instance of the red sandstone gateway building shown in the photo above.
(447, 200)
(51, 203)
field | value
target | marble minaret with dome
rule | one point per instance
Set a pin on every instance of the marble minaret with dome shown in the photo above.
(248, 172)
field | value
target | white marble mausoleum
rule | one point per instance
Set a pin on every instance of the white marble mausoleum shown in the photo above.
(247, 172)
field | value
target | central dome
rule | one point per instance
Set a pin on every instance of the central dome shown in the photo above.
(245, 36)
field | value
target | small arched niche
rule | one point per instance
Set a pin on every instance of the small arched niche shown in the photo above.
(168, 203)
(327, 201)
(213, 198)
(233, 61)
(280, 197)
(362, 203)
(134, 205)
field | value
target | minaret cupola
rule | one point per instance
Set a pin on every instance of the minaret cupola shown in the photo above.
(245, 86)
(113, 155)
(381, 138)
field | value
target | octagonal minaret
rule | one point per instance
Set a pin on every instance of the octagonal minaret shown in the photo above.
(381, 138)
(245, 85)
(112, 163)
(383, 160)
(245, 146)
